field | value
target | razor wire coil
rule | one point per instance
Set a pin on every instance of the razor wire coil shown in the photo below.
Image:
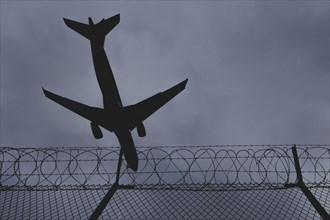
(205, 166)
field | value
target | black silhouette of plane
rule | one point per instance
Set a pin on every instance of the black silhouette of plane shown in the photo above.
(113, 117)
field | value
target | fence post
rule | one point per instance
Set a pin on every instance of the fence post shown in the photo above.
(99, 209)
(319, 208)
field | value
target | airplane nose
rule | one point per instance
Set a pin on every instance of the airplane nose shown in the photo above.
(132, 161)
(134, 167)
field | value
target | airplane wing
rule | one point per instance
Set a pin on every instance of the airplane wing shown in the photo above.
(85, 111)
(137, 113)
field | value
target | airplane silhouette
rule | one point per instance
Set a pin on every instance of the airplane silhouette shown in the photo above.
(113, 117)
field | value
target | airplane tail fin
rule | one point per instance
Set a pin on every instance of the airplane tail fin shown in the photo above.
(93, 31)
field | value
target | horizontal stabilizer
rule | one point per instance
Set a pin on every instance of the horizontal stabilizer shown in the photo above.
(106, 25)
(93, 31)
(83, 29)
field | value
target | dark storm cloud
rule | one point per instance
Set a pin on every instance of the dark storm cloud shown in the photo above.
(258, 72)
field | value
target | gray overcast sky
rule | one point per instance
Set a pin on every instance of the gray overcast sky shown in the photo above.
(258, 71)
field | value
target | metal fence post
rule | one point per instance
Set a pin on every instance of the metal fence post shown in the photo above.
(300, 183)
(99, 209)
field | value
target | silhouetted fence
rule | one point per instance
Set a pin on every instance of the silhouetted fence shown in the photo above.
(202, 167)
(188, 182)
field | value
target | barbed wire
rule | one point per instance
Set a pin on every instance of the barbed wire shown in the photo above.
(207, 167)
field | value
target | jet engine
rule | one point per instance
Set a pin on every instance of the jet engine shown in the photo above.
(96, 130)
(141, 130)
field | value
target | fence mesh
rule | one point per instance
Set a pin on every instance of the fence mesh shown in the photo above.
(187, 182)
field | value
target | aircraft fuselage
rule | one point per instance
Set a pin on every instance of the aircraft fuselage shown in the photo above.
(111, 98)
(113, 116)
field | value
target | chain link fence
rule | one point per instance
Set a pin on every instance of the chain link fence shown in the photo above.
(182, 182)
